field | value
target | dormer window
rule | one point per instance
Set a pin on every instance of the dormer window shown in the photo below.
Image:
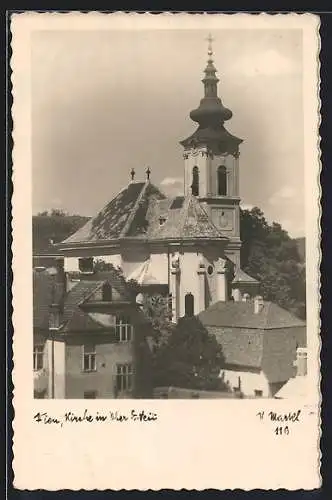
(107, 292)
(85, 265)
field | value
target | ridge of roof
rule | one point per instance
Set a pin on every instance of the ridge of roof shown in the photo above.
(110, 221)
(134, 210)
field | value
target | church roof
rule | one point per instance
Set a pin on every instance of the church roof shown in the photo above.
(180, 218)
(242, 277)
(142, 211)
(114, 219)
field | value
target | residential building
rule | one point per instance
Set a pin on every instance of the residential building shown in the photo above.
(89, 337)
(259, 342)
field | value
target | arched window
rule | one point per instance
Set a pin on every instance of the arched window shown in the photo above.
(107, 292)
(195, 182)
(189, 304)
(222, 180)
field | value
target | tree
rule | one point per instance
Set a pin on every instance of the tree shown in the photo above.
(192, 358)
(56, 227)
(272, 257)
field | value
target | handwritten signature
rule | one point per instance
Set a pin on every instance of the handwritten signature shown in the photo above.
(283, 420)
(293, 416)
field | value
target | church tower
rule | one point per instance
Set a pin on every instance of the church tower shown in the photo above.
(211, 162)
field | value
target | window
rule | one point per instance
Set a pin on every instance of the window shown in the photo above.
(89, 358)
(123, 329)
(258, 394)
(124, 375)
(195, 182)
(107, 292)
(210, 270)
(189, 304)
(39, 394)
(86, 265)
(38, 357)
(222, 180)
(90, 394)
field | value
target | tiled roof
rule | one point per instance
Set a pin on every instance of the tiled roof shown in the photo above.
(272, 351)
(242, 277)
(266, 341)
(142, 211)
(241, 315)
(112, 275)
(74, 318)
(240, 348)
(180, 218)
(111, 221)
(46, 290)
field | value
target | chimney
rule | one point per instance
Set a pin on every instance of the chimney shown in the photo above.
(301, 361)
(61, 279)
(258, 304)
(245, 297)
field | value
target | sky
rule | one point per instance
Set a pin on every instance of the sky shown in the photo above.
(106, 102)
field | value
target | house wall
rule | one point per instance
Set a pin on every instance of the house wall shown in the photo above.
(250, 380)
(189, 283)
(280, 347)
(42, 384)
(71, 262)
(108, 355)
(59, 368)
(159, 265)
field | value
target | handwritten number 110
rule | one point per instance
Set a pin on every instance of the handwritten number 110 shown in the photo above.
(279, 431)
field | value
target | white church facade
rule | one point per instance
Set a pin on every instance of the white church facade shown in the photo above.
(187, 246)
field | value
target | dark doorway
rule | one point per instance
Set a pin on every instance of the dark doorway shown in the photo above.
(189, 304)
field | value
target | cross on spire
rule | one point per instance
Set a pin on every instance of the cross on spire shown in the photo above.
(210, 39)
(148, 172)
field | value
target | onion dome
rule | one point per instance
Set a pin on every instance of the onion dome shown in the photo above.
(211, 115)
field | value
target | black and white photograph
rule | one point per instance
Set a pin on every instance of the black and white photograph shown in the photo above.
(173, 234)
(190, 281)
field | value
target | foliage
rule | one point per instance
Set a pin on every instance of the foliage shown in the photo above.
(272, 257)
(190, 359)
(53, 227)
(156, 309)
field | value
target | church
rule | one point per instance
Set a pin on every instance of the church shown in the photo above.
(186, 247)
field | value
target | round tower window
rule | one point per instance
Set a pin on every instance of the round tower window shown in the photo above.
(210, 270)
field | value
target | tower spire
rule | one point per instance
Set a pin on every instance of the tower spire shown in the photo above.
(211, 114)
